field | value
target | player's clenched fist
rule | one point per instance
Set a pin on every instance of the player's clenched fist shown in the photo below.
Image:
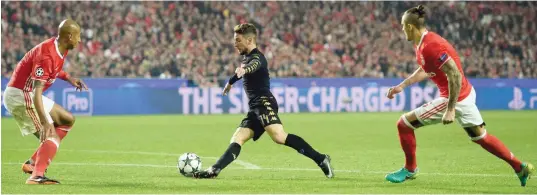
(394, 90)
(448, 117)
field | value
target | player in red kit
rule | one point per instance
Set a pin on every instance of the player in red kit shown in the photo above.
(35, 113)
(439, 61)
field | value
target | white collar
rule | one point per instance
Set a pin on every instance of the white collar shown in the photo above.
(57, 49)
(421, 39)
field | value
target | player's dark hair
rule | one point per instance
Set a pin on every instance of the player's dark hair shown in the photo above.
(245, 29)
(416, 16)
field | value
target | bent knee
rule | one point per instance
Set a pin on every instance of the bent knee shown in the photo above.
(279, 138)
(476, 132)
(239, 140)
(62, 117)
(69, 119)
(408, 120)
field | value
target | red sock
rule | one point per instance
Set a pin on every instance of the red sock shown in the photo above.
(61, 131)
(496, 147)
(45, 154)
(408, 143)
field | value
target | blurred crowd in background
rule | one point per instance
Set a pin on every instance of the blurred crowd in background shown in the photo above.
(194, 40)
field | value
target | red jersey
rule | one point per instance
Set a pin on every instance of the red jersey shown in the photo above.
(432, 53)
(43, 62)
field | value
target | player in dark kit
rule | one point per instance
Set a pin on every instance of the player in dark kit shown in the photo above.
(263, 108)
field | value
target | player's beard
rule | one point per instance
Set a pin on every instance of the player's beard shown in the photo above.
(70, 46)
(243, 51)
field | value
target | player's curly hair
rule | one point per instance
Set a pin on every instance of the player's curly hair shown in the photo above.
(416, 16)
(245, 29)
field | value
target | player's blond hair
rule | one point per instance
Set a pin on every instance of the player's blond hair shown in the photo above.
(245, 29)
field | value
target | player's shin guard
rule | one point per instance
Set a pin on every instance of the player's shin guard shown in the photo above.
(45, 154)
(229, 156)
(496, 147)
(408, 143)
(61, 131)
(303, 147)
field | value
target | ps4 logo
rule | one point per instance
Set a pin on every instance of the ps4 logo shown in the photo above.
(518, 102)
(78, 103)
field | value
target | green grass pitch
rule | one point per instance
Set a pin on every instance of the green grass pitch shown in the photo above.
(138, 154)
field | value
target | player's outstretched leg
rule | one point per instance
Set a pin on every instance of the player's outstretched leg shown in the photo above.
(279, 136)
(408, 144)
(63, 122)
(493, 145)
(241, 136)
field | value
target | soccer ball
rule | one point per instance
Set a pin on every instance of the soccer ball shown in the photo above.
(188, 163)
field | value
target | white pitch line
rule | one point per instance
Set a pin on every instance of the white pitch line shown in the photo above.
(270, 169)
(103, 164)
(245, 164)
(386, 172)
(248, 165)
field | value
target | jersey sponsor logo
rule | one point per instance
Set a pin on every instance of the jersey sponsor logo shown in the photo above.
(39, 72)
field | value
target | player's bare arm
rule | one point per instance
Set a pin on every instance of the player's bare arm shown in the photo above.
(417, 76)
(47, 128)
(76, 82)
(454, 83)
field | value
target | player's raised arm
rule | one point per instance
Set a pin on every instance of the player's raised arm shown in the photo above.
(253, 65)
(417, 76)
